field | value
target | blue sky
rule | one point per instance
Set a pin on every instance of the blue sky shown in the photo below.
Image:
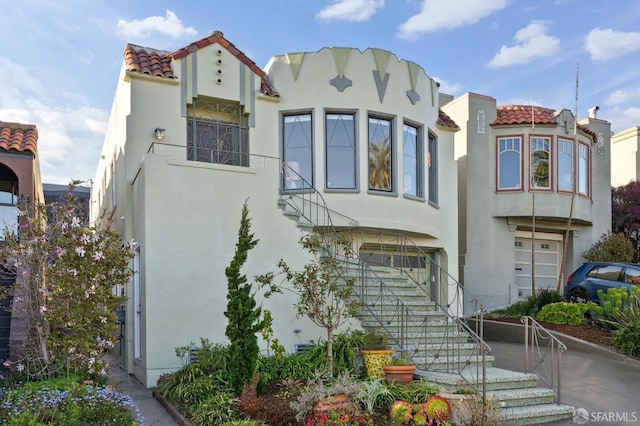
(59, 60)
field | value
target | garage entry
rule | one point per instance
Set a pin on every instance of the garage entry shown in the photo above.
(548, 257)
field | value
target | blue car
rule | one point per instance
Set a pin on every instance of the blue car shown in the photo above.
(584, 283)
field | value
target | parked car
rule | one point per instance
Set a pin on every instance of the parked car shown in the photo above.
(585, 282)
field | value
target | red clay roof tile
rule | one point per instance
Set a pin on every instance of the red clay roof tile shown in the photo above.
(18, 137)
(158, 62)
(522, 114)
(148, 61)
(445, 121)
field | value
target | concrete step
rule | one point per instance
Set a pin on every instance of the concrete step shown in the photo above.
(418, 313)
(415, 326)
(536, 414)
(496, 379)
(451, 363)
(510, 398)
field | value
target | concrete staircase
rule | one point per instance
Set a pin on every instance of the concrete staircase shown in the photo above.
(442, 347)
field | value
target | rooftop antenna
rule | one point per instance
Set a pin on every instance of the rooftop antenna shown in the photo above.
(573, 192)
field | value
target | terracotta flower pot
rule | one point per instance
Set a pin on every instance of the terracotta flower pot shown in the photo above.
(402, 374)
(374, 360)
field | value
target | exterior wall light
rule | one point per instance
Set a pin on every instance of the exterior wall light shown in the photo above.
(158, 133)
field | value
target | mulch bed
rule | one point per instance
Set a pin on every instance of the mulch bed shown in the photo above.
(589, 333)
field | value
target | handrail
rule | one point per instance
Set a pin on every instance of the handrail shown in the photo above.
(534, 357)
(311, 205)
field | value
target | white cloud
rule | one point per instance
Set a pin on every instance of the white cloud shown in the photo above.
(622, 118)
(608, 44)
(169, 25)
(532, 42)
(622, 97)
(350, 10)
(445, 15)
(449, 89)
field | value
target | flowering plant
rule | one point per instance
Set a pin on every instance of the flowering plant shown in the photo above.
(68, 284)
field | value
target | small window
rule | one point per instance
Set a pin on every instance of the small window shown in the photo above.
(481, 121)
(544, 246)
(518, 243)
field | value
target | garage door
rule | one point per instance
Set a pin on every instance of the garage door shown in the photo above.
(548, 256)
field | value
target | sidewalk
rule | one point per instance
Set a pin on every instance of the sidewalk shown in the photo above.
(153, 412)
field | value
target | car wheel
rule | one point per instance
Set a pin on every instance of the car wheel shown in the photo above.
(579, 295)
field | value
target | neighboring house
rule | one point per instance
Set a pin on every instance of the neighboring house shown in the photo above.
(196, 132)
(19, 177)
(55, 193)
(525, 174)
(625, 156)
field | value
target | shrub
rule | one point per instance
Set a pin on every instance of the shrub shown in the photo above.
(531, 305)
(616, 301)
(611, 248)
(566, 313)
(320, 388)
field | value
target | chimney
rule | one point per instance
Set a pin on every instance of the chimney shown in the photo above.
(593, 112)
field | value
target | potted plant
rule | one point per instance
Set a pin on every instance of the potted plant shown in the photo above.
(399, 368)
(375, 353)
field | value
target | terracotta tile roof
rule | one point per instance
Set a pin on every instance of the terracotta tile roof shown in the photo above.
(18, 137)
(158, 62)
(445, 121)
(149, 61)
(521, 114)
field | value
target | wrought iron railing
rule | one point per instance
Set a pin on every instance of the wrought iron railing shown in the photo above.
(543, 354)
(442, 342)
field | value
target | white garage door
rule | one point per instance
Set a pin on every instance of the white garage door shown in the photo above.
(548, 256)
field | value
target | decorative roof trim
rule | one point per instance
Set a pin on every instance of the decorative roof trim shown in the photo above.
(218, 37)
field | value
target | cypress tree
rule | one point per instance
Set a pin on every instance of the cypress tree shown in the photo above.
(243, 315)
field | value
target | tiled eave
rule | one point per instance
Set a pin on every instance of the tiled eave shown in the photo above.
(16, 137)
(520, 115)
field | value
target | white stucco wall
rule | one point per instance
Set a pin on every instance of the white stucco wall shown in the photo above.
(625, 166)
(185, 215)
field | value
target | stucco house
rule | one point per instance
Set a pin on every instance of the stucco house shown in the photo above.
(528, 176)
(19, 177)
(625, 156)
(340, 139)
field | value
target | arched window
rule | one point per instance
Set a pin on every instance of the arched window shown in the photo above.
(8, 199)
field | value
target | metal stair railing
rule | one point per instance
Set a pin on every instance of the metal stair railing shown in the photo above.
(536, 354)
(442, 350)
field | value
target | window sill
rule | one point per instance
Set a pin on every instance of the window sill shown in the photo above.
(383, 193)
(414, 198)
